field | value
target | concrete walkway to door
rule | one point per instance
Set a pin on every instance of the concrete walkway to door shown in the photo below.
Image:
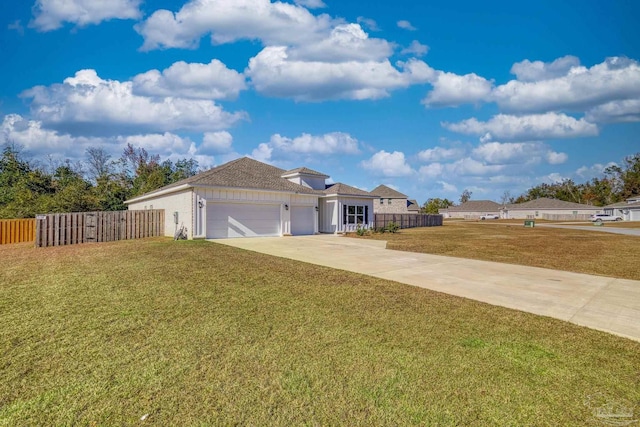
(604, 303)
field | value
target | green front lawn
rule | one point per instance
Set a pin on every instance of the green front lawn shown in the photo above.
(194, 333)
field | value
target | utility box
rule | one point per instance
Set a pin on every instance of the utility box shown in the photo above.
(529, 223)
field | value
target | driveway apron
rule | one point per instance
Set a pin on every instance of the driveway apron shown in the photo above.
(603, 303)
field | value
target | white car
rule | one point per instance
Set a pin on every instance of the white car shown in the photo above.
(605, 217)
(489, 216)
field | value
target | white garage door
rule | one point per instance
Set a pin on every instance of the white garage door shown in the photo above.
(634, 214)
(302, 220)
(242, 220)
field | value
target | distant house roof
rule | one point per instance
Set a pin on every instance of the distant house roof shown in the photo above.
(241, 173)
(547, 203)
(481, 206)
(346, 190)
(305, 171)
(625, 204)
(413, 206)
(387, 193)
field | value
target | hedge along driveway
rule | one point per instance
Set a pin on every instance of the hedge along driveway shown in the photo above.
(604, 303)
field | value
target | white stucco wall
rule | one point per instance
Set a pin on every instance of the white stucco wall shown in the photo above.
(258, 197)
(537, 213)
(331, 213)
(181, 202)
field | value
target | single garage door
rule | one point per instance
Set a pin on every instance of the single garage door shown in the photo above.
(302, 220)
(242, 220)
(634, 214)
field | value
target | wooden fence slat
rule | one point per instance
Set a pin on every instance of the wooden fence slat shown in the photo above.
(407, 220)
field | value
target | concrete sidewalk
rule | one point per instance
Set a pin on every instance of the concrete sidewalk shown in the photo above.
(607, 304)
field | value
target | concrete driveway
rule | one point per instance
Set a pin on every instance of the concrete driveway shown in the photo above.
(607, 304)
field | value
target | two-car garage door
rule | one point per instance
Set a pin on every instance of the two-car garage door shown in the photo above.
(242, 220)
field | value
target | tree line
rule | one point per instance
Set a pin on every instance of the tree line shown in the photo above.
(97, 183)
(616, 184)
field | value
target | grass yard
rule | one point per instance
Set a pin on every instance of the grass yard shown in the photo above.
(194, 333)
(580, 251)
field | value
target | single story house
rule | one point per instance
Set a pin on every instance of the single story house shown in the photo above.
(248, 198)
(472, 209)
(390, 200)
(629, 210)
(552, 209)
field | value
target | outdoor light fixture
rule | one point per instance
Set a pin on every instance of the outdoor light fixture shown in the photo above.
(317, 209)
(286, 207)
(200, 203)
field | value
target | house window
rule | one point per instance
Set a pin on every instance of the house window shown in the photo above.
(388, 201)
(382, 201)
(575, 213)
(355, 214)
(536, 213)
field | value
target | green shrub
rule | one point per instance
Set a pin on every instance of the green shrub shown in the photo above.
(392, 227)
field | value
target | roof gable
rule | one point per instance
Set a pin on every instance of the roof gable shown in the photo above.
(387, 192)
(304, 171)
(346, 190)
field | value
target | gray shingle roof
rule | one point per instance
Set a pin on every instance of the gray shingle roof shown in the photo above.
(624, 205)
(482, 206)
(346, 190)
(243, 173)
(387, 193)
(305, 171)
(546, 203)
(413, 206)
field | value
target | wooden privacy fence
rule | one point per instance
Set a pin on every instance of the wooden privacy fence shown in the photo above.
(407, 220)
(86, 227)
(17, 230)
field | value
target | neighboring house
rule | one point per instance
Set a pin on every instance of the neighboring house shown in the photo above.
(472, 209)
(629, 210)
(553, 209)
(413, 206)
(248, 198)
(389, 200)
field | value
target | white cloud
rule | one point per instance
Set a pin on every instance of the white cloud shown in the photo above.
(415, 48)
(517, 153)
(469, 166)
(231, 20)
(388, 164)
(283, 147)
(273, 73)
(439, 154)
(580, 88)
(450, 188)
(348, 42)
(262, 153)
(216, 142)
(89, 105)
(615, 111)
(552, 178)
(329, 143)
(451, 90)
(432, 170)
(593, 171)
(369, 23)
(42, 142)
(202, 81)
(535, 126)
(16, 26)
(51, 14)
(406, 25)
(555, 158)
(527, 71)
(311, 4)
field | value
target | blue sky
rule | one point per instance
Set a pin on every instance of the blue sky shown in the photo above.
(430, 98)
